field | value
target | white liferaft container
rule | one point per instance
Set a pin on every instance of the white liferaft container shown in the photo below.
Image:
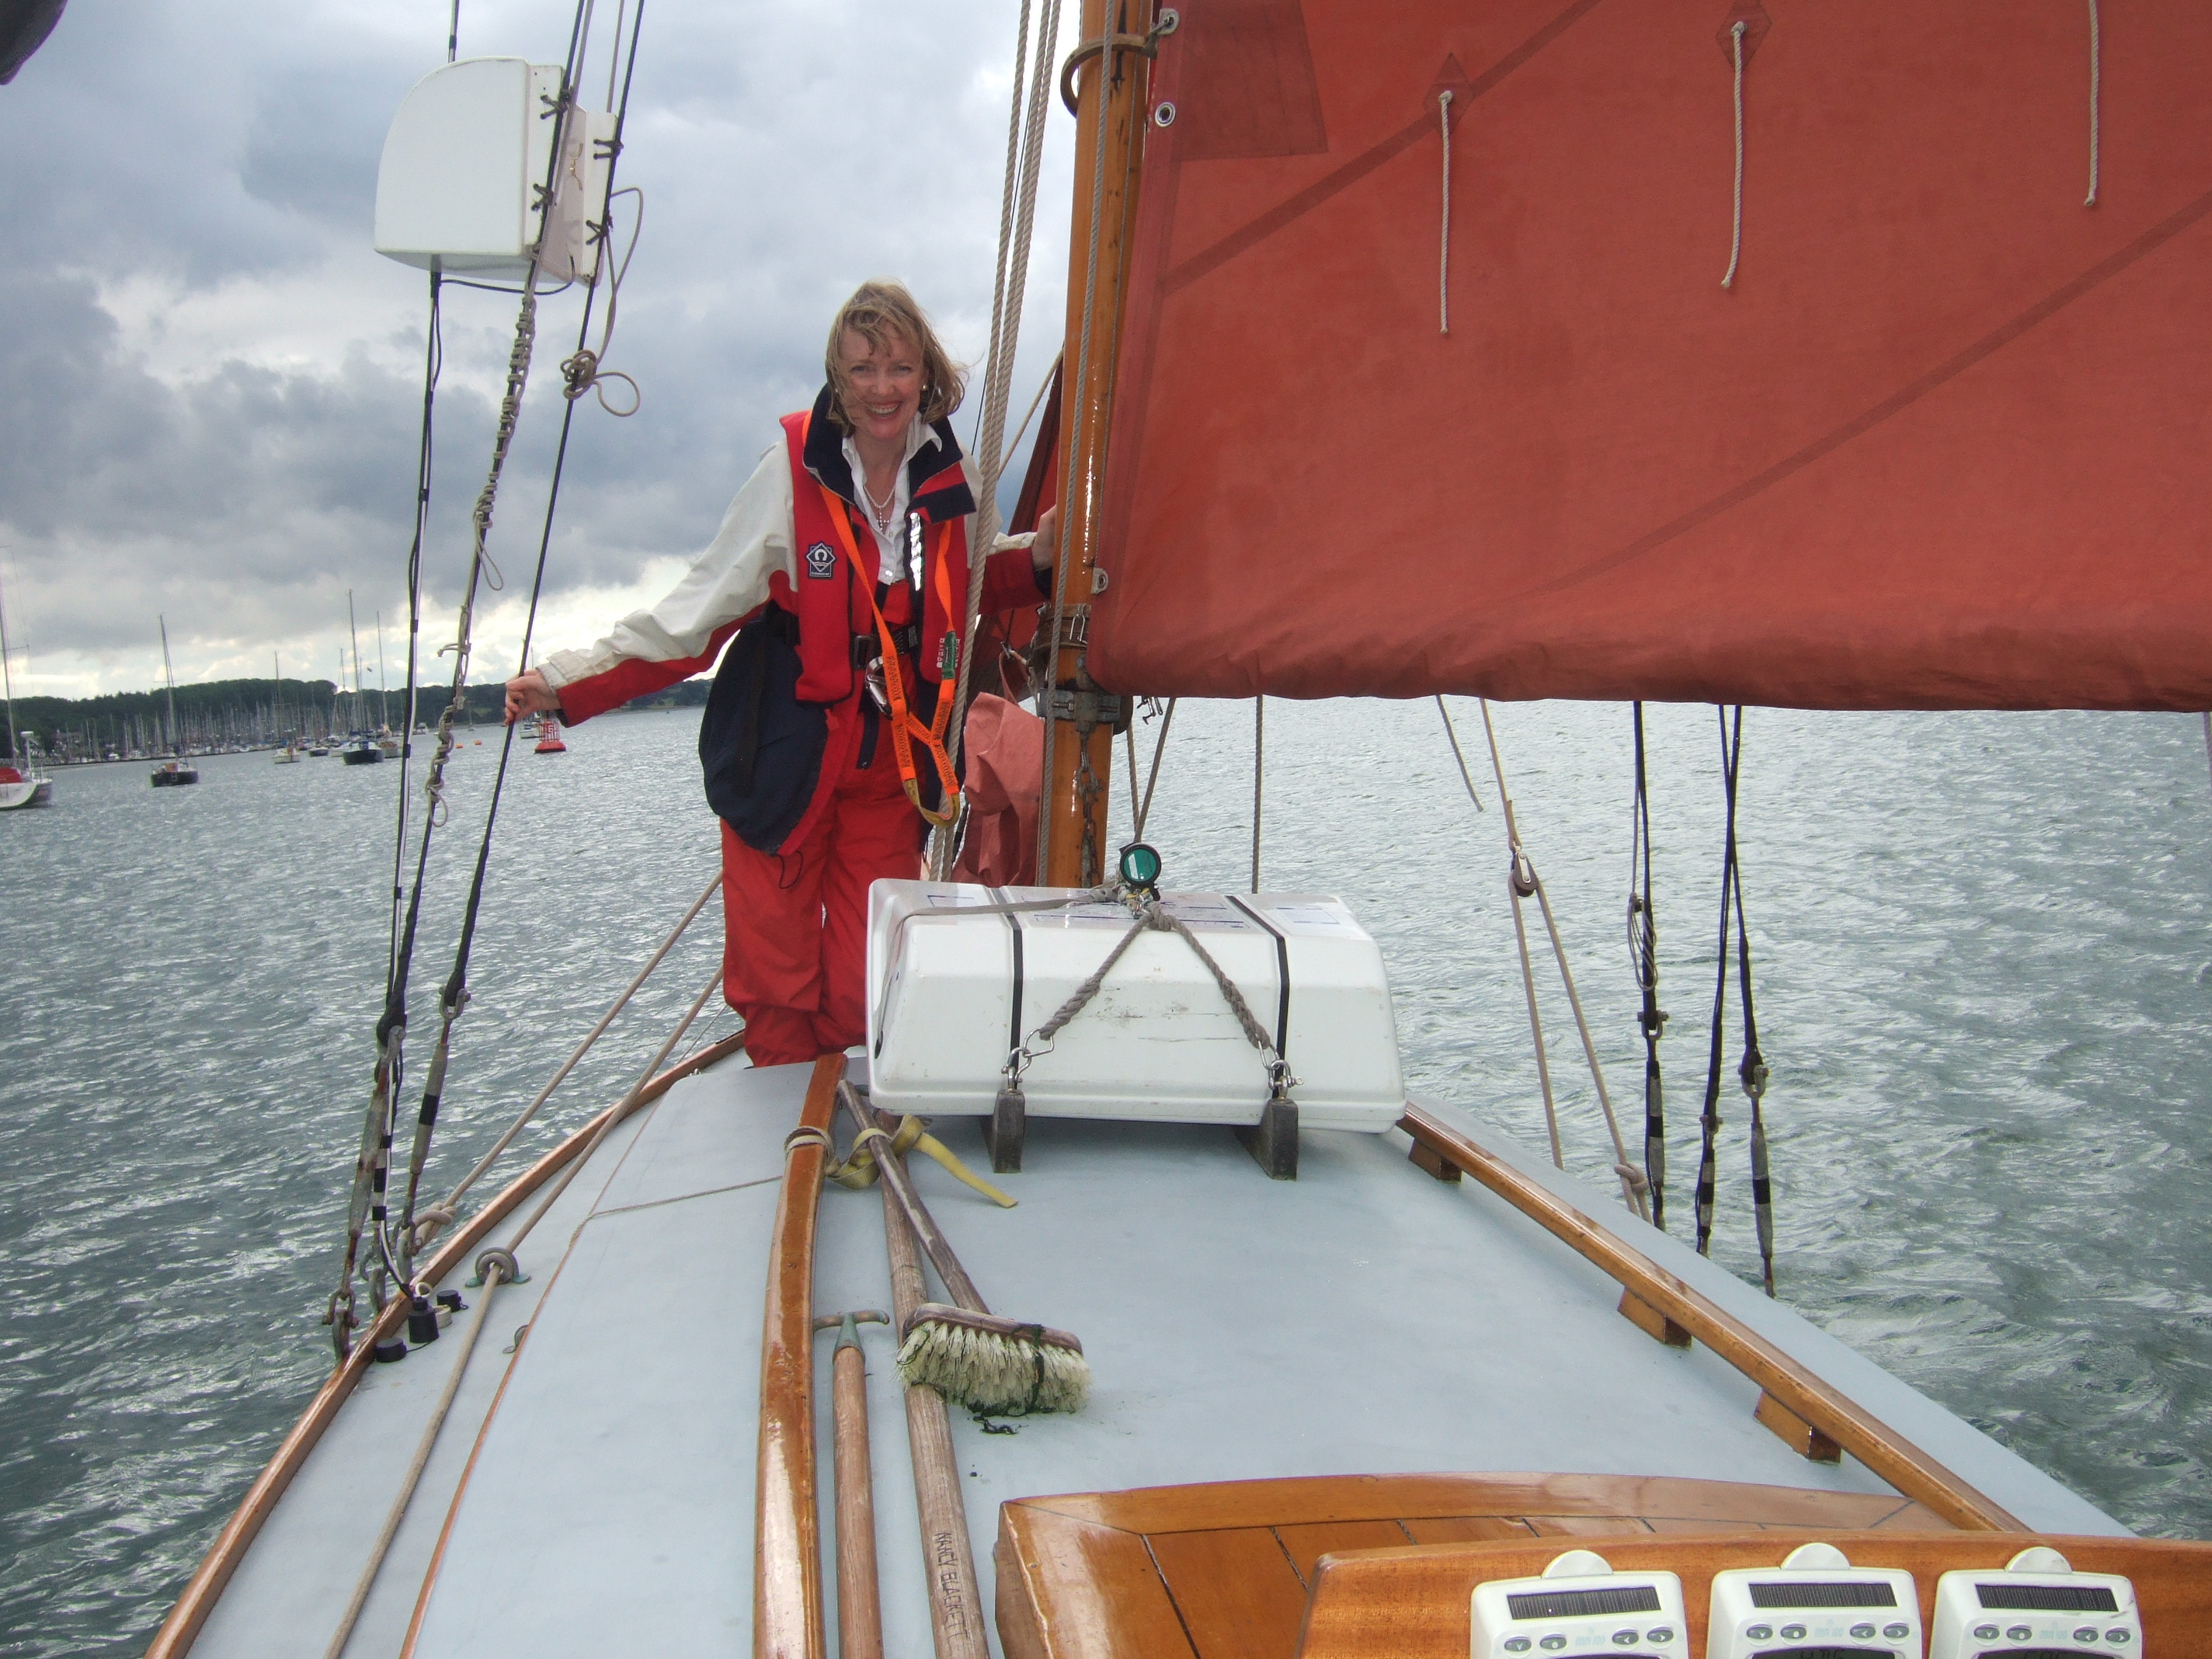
(951, 995)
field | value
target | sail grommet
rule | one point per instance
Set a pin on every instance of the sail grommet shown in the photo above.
(1163, 113)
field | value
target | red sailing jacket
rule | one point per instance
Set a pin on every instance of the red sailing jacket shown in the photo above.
(830, 610)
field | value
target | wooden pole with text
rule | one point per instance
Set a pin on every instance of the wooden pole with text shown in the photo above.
(1111, 80)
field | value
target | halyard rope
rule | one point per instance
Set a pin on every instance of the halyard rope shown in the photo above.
(1141, 809)
(1026, 125)
(1522, 882)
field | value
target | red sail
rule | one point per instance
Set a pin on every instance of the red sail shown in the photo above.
(1944, 444)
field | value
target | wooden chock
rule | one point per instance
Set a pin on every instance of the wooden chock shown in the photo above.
(1274, 1141)
(1426, 1157)
(1004, 1130)
(1795, 1432)
(1652, 1323)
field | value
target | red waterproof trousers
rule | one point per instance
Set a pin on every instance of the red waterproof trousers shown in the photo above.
(794, 961)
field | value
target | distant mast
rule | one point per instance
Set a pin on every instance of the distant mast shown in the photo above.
(353, 628)
(169, 680)
(383, 708)
(7, 682)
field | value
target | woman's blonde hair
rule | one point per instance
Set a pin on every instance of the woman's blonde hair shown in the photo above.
(877, 311)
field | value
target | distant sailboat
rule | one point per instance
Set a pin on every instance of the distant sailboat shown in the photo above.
(172, 773)
(18, 788)
(290, 754)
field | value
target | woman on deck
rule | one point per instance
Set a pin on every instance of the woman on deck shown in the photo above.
(841, 567)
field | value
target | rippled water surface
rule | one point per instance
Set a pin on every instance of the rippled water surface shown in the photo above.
(1983, 949)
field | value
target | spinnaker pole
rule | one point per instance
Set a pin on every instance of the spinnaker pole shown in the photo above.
(1111, 78)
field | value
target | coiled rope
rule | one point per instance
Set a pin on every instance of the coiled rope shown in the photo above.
(1522, 882)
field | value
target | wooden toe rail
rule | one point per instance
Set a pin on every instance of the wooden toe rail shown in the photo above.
(787, 1529)
(1808, 1396)
(180, 1629)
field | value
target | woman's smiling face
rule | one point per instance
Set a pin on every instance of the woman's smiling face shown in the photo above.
(882, 386)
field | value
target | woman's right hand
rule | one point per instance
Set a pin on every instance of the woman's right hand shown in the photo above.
(528, 694)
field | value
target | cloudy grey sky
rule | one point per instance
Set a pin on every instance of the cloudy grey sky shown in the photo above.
(212, 383)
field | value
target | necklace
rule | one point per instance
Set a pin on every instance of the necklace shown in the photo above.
(880, 511)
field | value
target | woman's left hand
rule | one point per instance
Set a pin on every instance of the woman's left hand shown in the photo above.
(1045, 550)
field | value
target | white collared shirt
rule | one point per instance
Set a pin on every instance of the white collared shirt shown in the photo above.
(731, 578)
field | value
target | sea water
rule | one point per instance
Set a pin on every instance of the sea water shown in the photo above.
(1982, 949)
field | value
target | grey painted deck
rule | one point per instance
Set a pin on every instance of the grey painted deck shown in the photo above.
(1364, 1319)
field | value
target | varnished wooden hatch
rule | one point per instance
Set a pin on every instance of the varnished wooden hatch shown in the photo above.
(1227, 1570)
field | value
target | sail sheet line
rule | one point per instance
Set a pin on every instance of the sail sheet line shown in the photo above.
(2049, 307)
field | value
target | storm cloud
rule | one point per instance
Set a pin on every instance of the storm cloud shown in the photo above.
(213, 383)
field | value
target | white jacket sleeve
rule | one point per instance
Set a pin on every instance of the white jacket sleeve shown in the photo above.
(727, 581)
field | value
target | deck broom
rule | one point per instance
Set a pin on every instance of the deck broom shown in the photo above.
(968, 1354)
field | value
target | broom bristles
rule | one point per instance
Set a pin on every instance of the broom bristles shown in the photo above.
(993, 1365)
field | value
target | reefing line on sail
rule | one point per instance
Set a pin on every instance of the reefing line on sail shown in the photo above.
(2096, 99)
(1736, 235)
(1444, 251)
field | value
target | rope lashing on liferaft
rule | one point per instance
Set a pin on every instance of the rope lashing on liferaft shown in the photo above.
(1522, 882)
(1644, 958)
(1751, 1069)
(1443, 250)
(1735, 234)
(1148, 912)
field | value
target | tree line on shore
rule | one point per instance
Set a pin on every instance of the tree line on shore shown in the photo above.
(249, 713)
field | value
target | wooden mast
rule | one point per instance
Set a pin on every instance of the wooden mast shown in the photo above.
(1117, 63)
